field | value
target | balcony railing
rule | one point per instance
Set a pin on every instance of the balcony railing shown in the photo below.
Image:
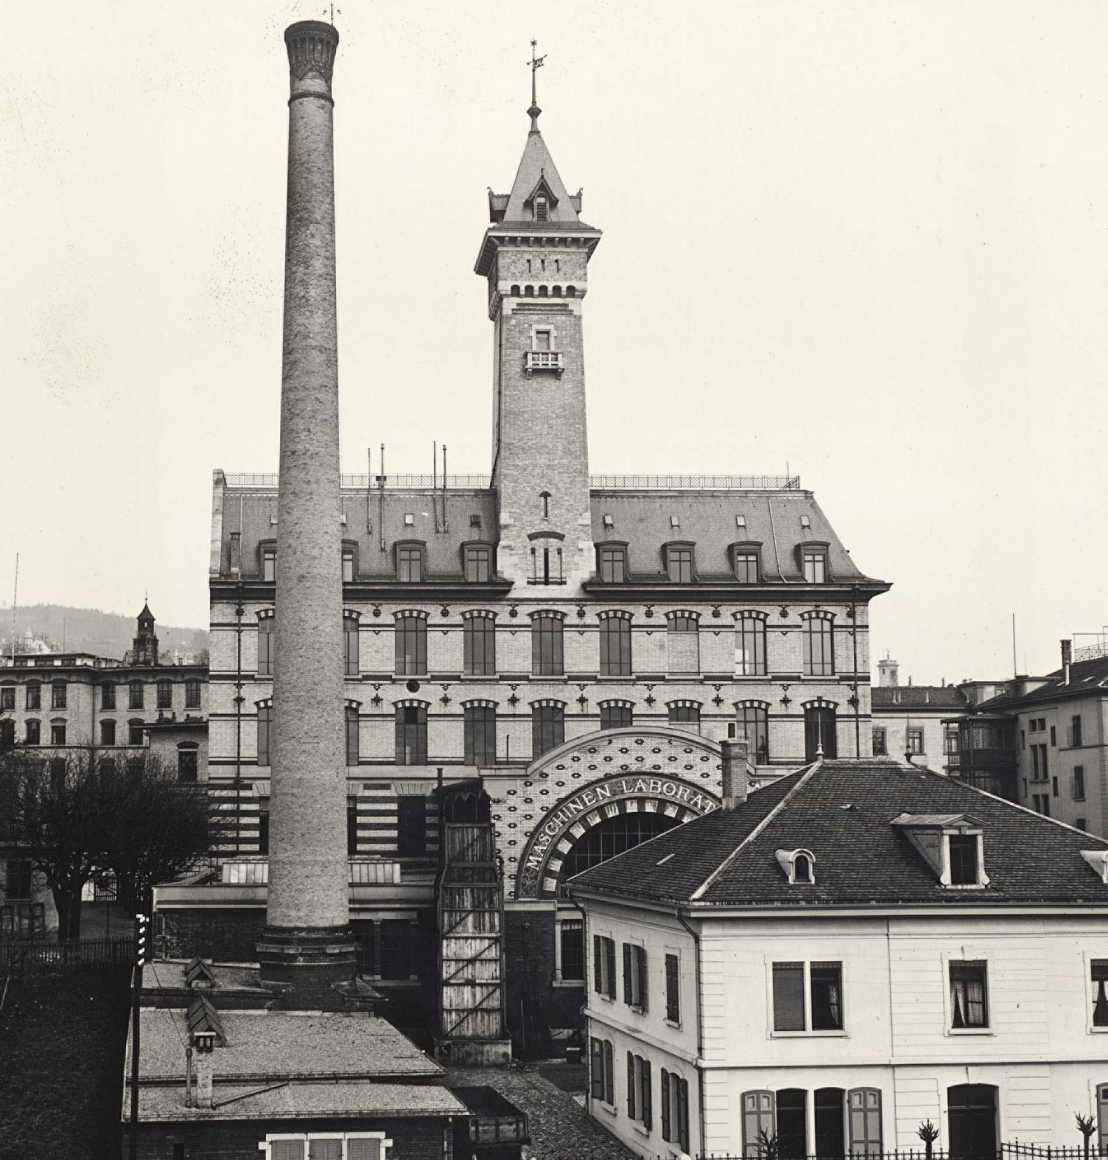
(695, 482)
(255, 872)
(543, 360)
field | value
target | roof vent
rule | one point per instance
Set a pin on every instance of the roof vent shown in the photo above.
(740, 521)
(199, 975)
(674, 522)
(475, 521)
(409, 519)
(805, 522)
(609, 522)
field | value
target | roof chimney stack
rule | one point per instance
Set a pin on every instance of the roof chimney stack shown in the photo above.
(733, 763)
(1067, 660)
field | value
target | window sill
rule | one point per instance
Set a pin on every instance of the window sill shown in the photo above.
(973, 1031)
(840, 1034)
(579, 983)
(1093, 1030)
(606, 1107)
(677, 1026)
(640, 1127)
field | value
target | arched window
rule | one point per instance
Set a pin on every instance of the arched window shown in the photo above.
(750, 644)
(107, 732)
(820, 730)
(479, 643)
(352, 735)
(548, 726)
(818, 643)
(615, 643)
(411, 733)
(616, 714)
(752, 720)
(107, 695)
(265, 642)
(683, 642)
(544, 497)
(685, 714)
(265, 729)
(188, 762)
(411, 643)
(350, 643)
(165, 694)
(547, 650)
(802, 868)
(480, 732)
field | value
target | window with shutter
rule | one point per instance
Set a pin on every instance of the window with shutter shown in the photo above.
(365, 1148)
(609, 1073)
(627, 973)
(330, 1149)
(287, 1149)
(1099, 972)
(631, 1091)
(596, 1069)
(683, 1114)
(666, 1121)
(646, 1094)
(865, 1121)
(758, 1122)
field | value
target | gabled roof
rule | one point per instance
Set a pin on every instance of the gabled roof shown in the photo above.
(843, 812)
(536, 170)
(1086, 678)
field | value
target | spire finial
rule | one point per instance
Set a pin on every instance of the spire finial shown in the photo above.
(535, 63)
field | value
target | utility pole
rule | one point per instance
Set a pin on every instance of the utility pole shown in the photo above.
(142, 942)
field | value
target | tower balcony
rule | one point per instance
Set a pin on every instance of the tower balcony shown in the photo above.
(543, 360)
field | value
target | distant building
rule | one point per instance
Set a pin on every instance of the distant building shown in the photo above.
(1043, 741)
(857, 948)
(914, 723)
(55, 704)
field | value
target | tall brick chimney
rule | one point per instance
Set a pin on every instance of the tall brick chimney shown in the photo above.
(307, 943)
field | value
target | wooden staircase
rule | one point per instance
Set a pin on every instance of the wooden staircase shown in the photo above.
(470, 913)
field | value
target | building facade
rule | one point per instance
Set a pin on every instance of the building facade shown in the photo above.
(547, 652)
(907, 949)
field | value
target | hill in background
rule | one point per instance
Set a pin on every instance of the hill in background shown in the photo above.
(107, 634)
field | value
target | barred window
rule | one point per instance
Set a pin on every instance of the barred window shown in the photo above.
(750, 646)
(409, 563)
(611, 563)
(818, 644)
(480, 734)
(615, 645)
(411, 735)
(411, 644)
(616, 714)
(547, 650)
(265, 646)
(477, 562)
(479, 645)
(752, 719)
(548, 728)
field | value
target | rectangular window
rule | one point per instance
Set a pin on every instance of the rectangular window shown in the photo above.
(914, 741)
(604, 966)
(480, 734)
(616, 715)
(409, 564)
(679, 565)
(1099, 972)
(571, 950)
(57, 733)
(634, 976)
(187, 765)
(411, 735)
(746, 567)
(411, 826)
(479, 646)
(478, 563)
(1078, 787)
(602, 1085)
(547, 655)
(192, 694)
(34, 697)
(612, 564)
(351, 657)
(673, 988)
(134, 695)
(759, 1124)
(269, 564)
(880, 744)
(347, 565)
(963, 859)
(396, 948)
(548, 728)
(752, 722)
(682, 643)
(638, 1090)
(675, 1110)
(107, 732)
(34, 732)
(864, 1112)
(969, 1005)
(1076, 738)
(134, 733)
(265, 647)
(234, 553)
(807, 996)
(7, 698)
(814, 565)
(165, 695)
(750, 647)
(57, 695)
(818, 646)
(353, 739)
(1053, 735)
(411, 645)
(615, 646)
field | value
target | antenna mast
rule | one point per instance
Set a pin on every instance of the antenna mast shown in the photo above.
(15, 602)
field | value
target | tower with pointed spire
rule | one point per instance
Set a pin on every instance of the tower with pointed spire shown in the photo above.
(535, 256)
(145, 651)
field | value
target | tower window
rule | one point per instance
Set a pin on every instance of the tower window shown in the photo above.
(540, 209)
(545, 497)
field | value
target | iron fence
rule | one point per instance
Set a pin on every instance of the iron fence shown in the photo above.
(1011, 1150)
(19, 958)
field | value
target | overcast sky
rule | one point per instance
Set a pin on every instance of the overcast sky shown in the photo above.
(869, 240)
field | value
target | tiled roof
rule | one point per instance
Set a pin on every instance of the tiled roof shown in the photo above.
(1085, 677)
(298, 1100)
(918, 697)
(537, 165)
(843, 812)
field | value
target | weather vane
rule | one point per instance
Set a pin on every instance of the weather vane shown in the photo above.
(535, 63)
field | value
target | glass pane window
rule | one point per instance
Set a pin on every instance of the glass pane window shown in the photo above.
(818, 642)
(615, 646)
(615, 715)
(547, 656)
(571, 949)
(827, 1000)
(1099, 973)
(411, 645)
(265, 720)
(192, 694)
(351, 658)
(134, 695)
(57, 733)
(347, 565)
(57, 695)
(265, 647)
(33, 732)
(7, 698)
(478, 563)
(880, 743)
(548, 728)
(480, 734)
(814, 565)
(165, 695)
(746, 567)
(963, 859)
(409, 563)
(411, 735)
(612, 564)
(968, 995)
(750, 646)
(753, 722)
(352, 735)
(479, 646)
(679, 565)
(914, 741)
(269, 564)
(684, 714)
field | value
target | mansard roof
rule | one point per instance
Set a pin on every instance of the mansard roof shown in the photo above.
(844, 812)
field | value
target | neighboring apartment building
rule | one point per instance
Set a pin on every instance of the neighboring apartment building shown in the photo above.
(566, 648)
(1044, 742)
(860, 947)
(54, 704)
(913, 723)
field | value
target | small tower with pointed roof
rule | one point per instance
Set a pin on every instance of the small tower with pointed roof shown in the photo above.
(535, 256)
(145, 651)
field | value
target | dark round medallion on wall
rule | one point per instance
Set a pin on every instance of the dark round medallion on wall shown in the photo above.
(412, 686)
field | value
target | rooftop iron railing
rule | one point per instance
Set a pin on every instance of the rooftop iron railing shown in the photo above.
(599, 482)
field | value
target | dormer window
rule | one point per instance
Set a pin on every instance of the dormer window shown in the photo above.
(813, 563)
(540, 209)
(611, 563)
(477, 563)
(409, 563)
(799, 866)
(679, 563)
(951, 844)
(746, 560)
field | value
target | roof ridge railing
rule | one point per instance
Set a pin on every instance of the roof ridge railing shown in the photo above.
(602, 482)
